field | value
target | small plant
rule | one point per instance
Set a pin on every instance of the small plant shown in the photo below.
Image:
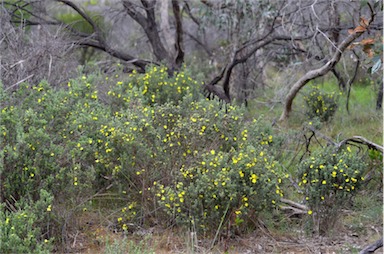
(320, 104)
(330, 180)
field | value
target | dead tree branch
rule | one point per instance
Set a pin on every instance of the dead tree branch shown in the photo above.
(99, 42)
(355, 139)
(313, 74)
(372, 247)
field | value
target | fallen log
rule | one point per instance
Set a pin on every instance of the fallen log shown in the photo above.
(372, 247)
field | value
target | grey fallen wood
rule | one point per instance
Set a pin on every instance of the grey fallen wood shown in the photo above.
(372, 247)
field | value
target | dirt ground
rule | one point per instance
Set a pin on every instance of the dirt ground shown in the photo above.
(92, 238)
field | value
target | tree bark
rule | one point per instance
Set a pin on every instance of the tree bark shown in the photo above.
(379, 101)
(179, 39)
(150, 27)
(164, 24)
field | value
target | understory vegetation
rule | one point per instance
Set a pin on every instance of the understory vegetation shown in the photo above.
(149, 150)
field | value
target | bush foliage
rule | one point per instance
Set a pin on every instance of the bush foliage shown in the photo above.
(320, 104)
(146, 129)
(330, 180)
(155, 141)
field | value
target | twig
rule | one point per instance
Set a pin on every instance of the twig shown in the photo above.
(21, 81)
(294, 204)
(220, 225)
(292, 211)
(74, 240)
(327, 38)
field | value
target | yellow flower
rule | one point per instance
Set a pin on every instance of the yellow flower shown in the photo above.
(310, 212)
(253, 178)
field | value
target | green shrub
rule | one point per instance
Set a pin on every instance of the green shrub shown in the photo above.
(80, 139)
(320, 104)
(330, 180)
(49, 140)
(25, 230)
(226, 171)
(153, 87)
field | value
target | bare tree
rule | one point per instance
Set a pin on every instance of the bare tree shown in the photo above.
(239, 38)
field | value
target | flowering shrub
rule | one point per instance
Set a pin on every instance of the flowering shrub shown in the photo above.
(48, 141)
(224, 168)
(320, 104)
(154, 87)
(329, 181)
(20, 230)
(147, 128)
(222, 185)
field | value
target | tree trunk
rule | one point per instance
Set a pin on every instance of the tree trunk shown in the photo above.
(150, 27)
(379, 101)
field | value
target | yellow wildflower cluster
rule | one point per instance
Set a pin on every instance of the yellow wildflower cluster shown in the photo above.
(329, 177)
(320, 104)
(219, 179)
